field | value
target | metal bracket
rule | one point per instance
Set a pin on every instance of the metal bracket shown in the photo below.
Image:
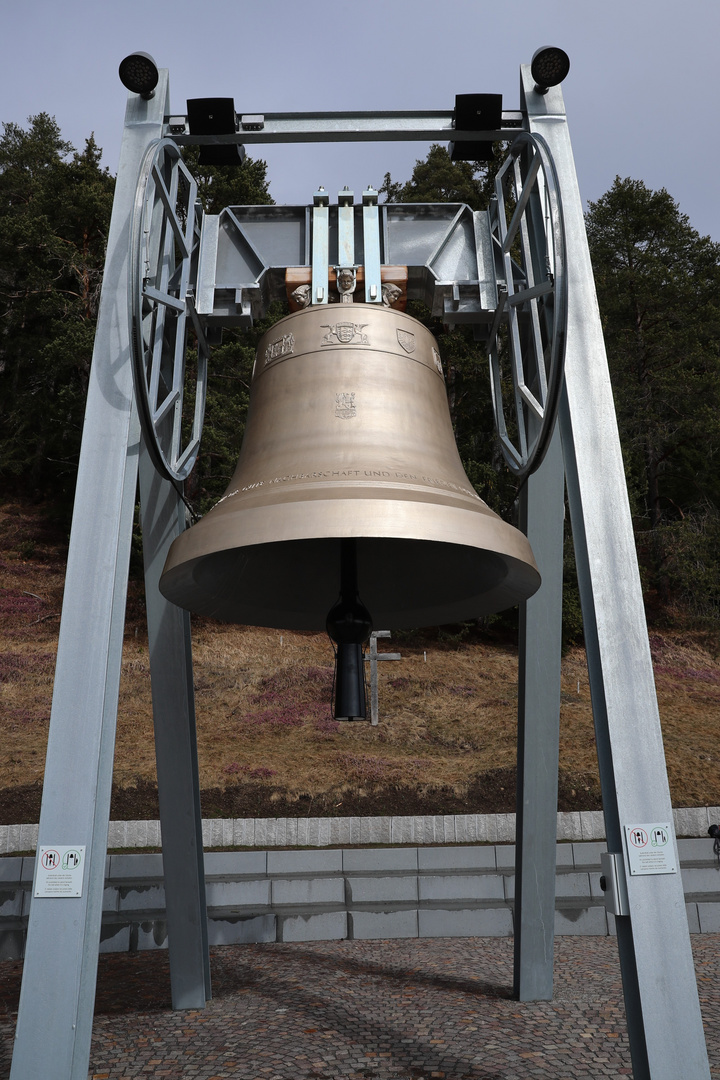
(346, 227)
(320, 247)
(613, 883)
(371, 247)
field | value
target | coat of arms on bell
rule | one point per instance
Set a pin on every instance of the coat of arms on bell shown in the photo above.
(406, 340)
(345, 406)
(345, 333)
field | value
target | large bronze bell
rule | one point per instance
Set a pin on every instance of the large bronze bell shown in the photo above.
(349, 438)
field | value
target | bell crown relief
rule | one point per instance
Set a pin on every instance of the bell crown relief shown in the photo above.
(346, 283)
(346, 286)
(390, 294)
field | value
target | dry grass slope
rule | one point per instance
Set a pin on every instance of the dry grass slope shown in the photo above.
(267, 740)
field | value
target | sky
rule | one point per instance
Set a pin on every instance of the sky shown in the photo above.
(641, 94)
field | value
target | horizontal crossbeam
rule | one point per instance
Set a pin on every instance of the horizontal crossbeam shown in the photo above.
(433, 126)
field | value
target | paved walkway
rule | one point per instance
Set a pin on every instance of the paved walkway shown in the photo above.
(391, 1010)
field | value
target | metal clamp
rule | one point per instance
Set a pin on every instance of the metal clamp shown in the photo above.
(614, 883)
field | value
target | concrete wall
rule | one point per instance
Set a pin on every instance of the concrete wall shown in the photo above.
(336, 893)
(334, 832)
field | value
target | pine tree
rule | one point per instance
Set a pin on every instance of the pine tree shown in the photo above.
(658, 284)
(245, 184)
(437, 178)
(54, 213)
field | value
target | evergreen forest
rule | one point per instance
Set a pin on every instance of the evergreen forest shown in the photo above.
(658, 284)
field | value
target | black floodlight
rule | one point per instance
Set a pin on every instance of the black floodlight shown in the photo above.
(215, 116)
(476, 112)
(139, 73)
(548, 67)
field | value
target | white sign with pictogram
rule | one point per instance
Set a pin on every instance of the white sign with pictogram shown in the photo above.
(60, 870)
(650, 848)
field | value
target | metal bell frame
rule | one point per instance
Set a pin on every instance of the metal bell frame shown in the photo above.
(532, 301)
(662, 1007)
(165, 236)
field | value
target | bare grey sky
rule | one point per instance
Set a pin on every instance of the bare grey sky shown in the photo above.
(640, 96)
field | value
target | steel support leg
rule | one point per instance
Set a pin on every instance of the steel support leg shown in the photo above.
(163, 516)
(542, 513)
(663, 1011)
(60, 971)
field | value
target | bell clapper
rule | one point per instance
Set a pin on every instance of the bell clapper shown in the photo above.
(349, 625)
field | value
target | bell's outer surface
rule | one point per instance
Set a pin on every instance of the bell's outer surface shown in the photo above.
(349, 435)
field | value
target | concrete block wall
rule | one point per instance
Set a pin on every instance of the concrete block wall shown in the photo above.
(337, 893)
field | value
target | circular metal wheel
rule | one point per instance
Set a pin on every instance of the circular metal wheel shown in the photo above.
(527, 339)
(164, 241)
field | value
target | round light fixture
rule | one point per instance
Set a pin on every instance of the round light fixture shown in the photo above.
(139, 73)
(548, 67)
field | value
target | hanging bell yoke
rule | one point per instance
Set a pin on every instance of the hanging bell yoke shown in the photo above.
(503, 271)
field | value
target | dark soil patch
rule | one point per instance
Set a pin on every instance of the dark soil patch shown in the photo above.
(492, 792)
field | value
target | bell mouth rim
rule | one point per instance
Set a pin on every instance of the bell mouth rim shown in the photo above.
(512, 580)
(474, 526)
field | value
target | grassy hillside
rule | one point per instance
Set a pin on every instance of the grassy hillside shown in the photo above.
(267, 741)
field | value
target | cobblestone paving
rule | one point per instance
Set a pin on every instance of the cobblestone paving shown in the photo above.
(353, 1010)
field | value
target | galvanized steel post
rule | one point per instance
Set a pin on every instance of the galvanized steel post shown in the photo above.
(542, 516)
(61, 957)
(171, 673)
(661, 999)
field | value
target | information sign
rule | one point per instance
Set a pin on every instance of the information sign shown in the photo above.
(60, 870)
(650, 848)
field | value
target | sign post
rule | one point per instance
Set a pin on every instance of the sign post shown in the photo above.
(373, 661)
